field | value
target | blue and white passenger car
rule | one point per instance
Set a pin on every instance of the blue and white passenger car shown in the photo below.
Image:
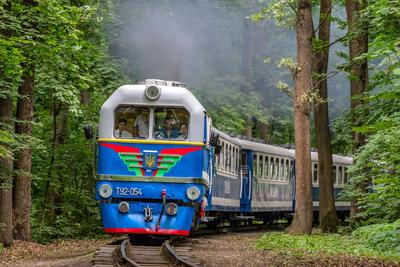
(152, 176)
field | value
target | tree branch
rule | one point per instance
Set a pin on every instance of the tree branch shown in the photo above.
(326, 15)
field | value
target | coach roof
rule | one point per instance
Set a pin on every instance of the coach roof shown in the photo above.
(269, 149)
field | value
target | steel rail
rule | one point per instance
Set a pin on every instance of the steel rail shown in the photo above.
(169, 251)
(125, 257)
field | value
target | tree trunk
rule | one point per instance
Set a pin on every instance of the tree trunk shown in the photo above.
(302, 221)
(52, 195)
(23, 161)
(358, 45)
(6, 169)
(6, 161)
(327, 211)
(248, 46)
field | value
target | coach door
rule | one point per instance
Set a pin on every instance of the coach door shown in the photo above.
(245, 173)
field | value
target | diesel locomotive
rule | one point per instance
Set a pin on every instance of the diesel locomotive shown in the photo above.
(163, 168)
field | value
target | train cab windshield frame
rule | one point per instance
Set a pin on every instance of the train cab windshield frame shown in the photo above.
(144, 122)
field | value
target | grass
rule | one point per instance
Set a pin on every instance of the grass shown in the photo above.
(327, 244)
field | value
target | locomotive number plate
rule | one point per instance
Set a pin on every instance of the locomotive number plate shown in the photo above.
(126, 191)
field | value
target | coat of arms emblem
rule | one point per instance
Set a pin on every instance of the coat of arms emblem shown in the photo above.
(149, 160)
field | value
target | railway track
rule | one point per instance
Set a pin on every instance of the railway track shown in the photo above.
(150, 256)
(169, 253)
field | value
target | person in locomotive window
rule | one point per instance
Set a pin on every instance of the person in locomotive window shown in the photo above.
(141, 124)
(184, 131)
(121, 131)
(168, 131)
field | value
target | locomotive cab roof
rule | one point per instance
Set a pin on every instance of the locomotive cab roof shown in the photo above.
(170, 94)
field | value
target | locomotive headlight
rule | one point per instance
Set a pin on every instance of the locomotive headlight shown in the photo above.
(152, 92)
(172, 209)
(193, 193)
(123, 207)
(105, 190)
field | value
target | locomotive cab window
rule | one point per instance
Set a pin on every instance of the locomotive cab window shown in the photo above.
(131, 122)
(171, 124)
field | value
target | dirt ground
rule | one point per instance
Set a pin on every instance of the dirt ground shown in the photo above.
(239, 250)
(61, 253)
(234, 249)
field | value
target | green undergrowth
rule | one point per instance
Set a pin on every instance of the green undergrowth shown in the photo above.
(325, 244)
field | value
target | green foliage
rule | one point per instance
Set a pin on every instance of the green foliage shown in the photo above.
(381, 237)
(341, 138)
(375, 174)
(377, 167)
(6, 139)
(283, 12)
(331, 244)
(230, 108)
(69, 47)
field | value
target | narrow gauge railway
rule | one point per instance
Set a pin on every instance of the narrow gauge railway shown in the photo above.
(166, 254)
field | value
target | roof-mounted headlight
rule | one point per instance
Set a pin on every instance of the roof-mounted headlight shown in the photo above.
(152, 92)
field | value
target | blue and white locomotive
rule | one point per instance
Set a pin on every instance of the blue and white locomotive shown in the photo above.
(152, 177)
(162, 168)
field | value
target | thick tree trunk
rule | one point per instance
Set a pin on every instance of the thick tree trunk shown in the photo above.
(302, 221)
(327, 212)
(358, 45)
(23, 161)
(6, 169)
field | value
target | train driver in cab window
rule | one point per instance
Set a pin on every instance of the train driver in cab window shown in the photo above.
(121, 131)
(184, 131)
(141, 124)
(168, 131)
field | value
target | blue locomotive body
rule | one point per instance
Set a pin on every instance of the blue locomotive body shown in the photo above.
(162, 168)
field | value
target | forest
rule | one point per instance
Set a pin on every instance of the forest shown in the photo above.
(318, 75)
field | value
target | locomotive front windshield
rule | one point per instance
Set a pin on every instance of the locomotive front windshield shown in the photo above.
(132, 122)
(171, 123)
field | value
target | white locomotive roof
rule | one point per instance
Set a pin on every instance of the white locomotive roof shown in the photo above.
(173, 94)
(269, 149)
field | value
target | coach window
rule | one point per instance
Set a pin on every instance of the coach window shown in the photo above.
(131, 122)
(282, 172)
(227, 157)
(276, 168)
(254, 165)
(334, 174)
(345, 175)
(266, 167)
(171, 124)
(340, 175)
(315, 173)
(287, 170)
(272, 173)
(260, 167)
(221, 156)
(237, 160)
